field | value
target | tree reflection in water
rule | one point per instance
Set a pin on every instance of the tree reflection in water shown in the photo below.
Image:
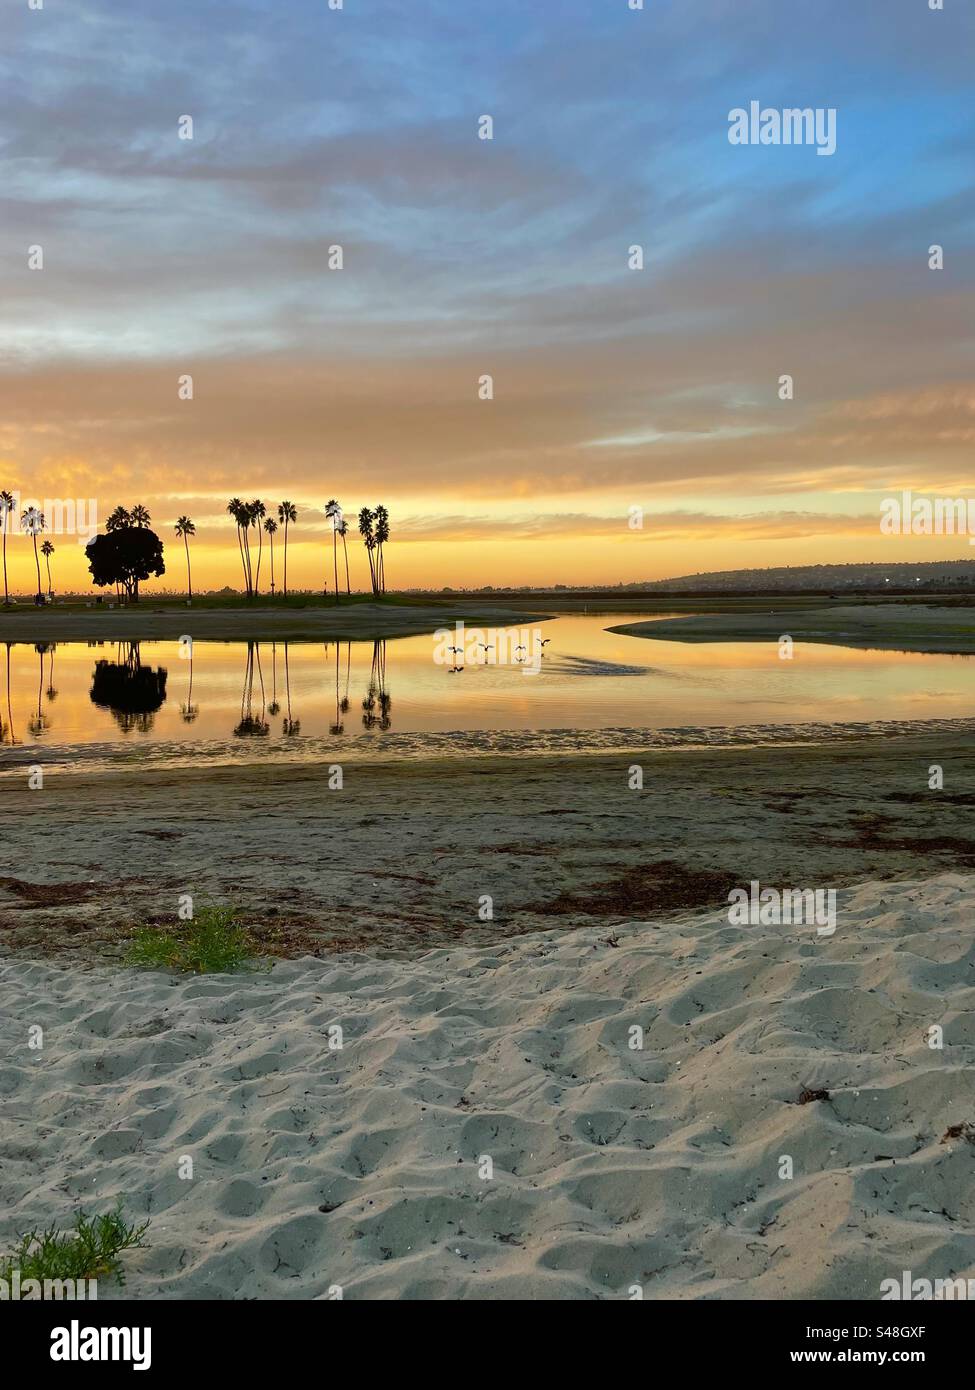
(378, 702)
(252, 725)
(132, 692)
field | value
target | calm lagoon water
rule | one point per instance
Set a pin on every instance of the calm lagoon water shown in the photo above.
(299, 699)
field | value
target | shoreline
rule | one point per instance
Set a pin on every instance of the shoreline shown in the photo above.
(365, 621)
(918, 627)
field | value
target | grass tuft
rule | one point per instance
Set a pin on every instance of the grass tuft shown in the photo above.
(89, 1250)
(215, 940)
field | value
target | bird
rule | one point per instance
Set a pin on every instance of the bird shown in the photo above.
(520, 647)
(545, 641)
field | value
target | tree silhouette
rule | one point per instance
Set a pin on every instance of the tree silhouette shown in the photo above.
(287, 512)
(47, 550)
(126, 556)
(33, 522)
(132, 692)
(6, 512)
(185, 528)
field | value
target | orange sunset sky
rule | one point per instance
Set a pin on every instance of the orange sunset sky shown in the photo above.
(613, 387)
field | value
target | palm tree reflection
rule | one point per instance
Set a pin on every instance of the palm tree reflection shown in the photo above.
(252, 725)
(289, 727)
(378, 702)
(38, 722)
(188, 711)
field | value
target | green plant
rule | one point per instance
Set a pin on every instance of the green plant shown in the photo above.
(89, 1250)
(215, 940)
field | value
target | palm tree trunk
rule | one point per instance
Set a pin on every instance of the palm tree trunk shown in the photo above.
(38, 564)
(240, 547)
(271, 539)
(50, 590)
(6, 595)
(189, 578)
(345, 548)
(335, 561)
(286, 557)
(260, 552)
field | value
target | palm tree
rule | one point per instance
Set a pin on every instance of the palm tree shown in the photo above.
(185, 528)
(258, 512)
(365, 531)
(139, 516)
(343, 529)
(6, 510)
(334, 514)
(118, 520)
(34, 521)
(237, 510)
(286, 512)
(270, 526)
(382, 536)
(47, 550)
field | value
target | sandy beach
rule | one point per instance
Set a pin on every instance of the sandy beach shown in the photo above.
(902, 627)
(487, 1130)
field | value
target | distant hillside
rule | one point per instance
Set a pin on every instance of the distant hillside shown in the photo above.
(936, 574)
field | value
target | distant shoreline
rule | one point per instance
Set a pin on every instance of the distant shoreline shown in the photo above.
(253, 622)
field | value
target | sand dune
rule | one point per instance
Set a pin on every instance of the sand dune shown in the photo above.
(612, 1167)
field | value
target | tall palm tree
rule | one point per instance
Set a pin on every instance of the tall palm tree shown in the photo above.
(6, 512)
(139, 516)
(258, 512)
(343, 532)
(334, 514)
(47, 550)
(34, 521)
(237, 510)
(118, 520)
(270, 526)
(365, 531)
(286, 512)
(382, 536)
(185, 528)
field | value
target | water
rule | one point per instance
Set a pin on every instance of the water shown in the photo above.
(302, 699)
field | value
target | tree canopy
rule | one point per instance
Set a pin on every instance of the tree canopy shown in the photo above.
(125, 556)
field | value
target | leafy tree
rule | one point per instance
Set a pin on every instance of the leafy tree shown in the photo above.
(126, 556)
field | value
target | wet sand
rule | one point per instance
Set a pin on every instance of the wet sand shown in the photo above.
(399, 858)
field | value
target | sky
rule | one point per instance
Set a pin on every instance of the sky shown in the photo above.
(462, 258)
